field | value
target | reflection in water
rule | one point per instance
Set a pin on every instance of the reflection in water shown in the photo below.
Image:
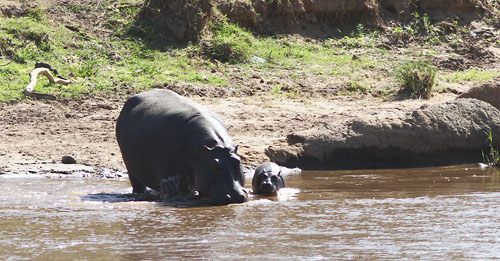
(435, 213)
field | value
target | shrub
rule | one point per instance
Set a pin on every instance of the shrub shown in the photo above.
(229, 44)
(417, 78)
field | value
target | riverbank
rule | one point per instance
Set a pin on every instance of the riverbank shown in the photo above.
(42, 131)
(46, 131)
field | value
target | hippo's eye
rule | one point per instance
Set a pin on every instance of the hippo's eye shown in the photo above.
(216, 164)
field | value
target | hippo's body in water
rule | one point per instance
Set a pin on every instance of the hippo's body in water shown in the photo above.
(162, 135)
(267, 179)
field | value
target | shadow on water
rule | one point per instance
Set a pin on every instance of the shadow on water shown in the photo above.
(149, 196)
(284, 194)
(121, 197)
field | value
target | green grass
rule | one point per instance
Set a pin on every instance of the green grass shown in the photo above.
(229, 44)
(320, 60)
(492, 157)
(94, 65)
(353, 87)
(359, 38)
(472, 74)
(36, 14)
(418, 28)
(128, 60)
(76, 8)
(417, 78)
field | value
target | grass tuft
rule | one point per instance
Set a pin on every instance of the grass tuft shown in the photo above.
(492, 158)
(417, 78)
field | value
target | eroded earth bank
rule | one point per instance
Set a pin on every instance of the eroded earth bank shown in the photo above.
(321, 133)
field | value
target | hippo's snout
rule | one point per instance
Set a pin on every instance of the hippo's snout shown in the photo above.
(267, 187)
(238, 195)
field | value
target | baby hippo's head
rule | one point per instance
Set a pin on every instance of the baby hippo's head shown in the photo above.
(267, 179)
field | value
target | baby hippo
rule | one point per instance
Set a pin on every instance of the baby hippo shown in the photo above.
(267, 179)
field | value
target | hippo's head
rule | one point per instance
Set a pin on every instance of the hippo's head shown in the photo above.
(267, 179)
(220, 176)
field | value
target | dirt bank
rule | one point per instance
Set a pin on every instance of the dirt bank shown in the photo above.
(186, 20)
(449, 133)
(40, 131)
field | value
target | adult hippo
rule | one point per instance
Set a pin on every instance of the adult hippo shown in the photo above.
(267, 179)
(163, 135)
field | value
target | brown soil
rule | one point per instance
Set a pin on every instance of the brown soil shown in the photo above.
(185, 20)
(45, 131)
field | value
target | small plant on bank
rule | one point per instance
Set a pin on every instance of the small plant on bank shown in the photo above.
(417, 78)
(492, 158)
(403, 33)
(361, 37)
(418, 28)
(229, 44)
(36, 14)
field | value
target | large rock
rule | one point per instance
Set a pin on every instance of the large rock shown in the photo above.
(444, 134)
(488, 92)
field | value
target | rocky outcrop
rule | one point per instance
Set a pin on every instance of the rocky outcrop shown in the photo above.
(488, 92)
(241, 11)
(438, 10)
(289, 15)
(305, 15)
(445, 134)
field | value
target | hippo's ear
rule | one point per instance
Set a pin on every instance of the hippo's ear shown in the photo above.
(207, 148)
(282, 179)
(236, 149)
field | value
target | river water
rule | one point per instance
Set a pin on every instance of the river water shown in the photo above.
(432, 213)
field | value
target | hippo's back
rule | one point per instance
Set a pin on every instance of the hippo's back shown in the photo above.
(151, 132)
(155, 104)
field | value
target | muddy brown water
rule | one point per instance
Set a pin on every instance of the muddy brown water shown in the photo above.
(432, 213)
